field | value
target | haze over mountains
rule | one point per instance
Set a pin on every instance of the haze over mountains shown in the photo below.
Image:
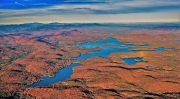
(108, 27)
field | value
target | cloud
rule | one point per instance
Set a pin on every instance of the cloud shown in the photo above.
(41, 8)
(41, 4)
(124, 7)
(86, 1)
(135, 17)
(98, 4)
(19, 3)
(126, 10)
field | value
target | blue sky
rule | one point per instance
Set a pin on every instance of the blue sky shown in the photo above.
(45, 11)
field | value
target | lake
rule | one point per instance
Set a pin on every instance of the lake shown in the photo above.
(132, 61)
(108, 46)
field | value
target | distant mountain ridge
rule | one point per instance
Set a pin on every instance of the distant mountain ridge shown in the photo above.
(35, 26)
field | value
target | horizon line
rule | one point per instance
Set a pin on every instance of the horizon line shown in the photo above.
(84, 22)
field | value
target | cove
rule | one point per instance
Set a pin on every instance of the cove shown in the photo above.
(108, 46)
(132, 61)
(61, 75)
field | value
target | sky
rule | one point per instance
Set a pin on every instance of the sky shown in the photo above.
(88, 11)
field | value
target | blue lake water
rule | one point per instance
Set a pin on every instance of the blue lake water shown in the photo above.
(61, 75)
(160, 49)
(132, 61)
(108, 46)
